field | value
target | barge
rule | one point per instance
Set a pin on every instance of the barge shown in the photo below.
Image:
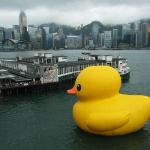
(44, 72)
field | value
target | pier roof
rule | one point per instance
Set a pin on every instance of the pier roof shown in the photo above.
(12, 40)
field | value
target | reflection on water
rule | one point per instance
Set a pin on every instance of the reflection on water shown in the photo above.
(44, 121)
(138, 140)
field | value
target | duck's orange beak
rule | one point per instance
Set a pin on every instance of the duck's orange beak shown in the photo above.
(71, 91)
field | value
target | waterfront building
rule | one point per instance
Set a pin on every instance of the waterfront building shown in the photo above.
(30, 28)
(46, 27)
(32, 32)
(35, 37)
(91, 44)
(50, 40)
(95, 32)
(39, 37)
(107, 39)
(8, 32)
(144, 30)
(0, 45)
(60, 31)
(56, 40)
(74, 41)
(137, 25)
(130, 38)
(61, 41)
(46, 31)
(23, 26)
(125, 28)
(16, 32)
(99, 39)
(85, 41)
(102, 39)
(2, 34)
(114, 37)
(139, 38)
(133, 38)
(148, 36)
(11, 44)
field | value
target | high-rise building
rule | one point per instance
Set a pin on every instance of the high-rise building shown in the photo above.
(125, 28)
(62, 37)
(107, 38)
(50, 40)
(86, 41)
(133, 38)
(35, 36)
(23, 25)
(60, 31)
(2, 34)
(8, 32)
(16, 32)
(32, 31)
(144, 30)
(95, 32)
(39, 35)
(46, 31)
(30, 28)
(74, 41)
(102, 39)
(115, 37)
(149, 36)
(137, 25)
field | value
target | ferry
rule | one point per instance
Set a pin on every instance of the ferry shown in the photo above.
(86, 53)
(45, 72)
(81, 57)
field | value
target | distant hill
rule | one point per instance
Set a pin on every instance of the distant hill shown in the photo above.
(54, 28)
(145, 21)
(86, 30)
(67, 29)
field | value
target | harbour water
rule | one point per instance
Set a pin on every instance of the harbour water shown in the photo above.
(44, 121)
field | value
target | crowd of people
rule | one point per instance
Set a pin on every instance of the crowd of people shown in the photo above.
(15, 84)
(48, 76)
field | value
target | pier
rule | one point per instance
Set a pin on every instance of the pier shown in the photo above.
(35, 87)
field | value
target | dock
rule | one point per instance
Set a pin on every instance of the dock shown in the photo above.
(35, 87)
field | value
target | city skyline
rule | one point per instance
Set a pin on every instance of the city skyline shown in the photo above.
(73, 13)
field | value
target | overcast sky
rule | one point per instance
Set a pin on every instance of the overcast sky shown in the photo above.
(73, 12)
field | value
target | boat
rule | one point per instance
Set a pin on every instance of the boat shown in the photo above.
(45, 72)
(104, 48)
(81, 57)
(119, 63)
(86, 53)
(91, 48)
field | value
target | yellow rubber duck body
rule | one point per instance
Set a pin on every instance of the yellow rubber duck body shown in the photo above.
(101, 109)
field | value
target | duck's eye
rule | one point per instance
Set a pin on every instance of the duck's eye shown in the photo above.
(78, 87)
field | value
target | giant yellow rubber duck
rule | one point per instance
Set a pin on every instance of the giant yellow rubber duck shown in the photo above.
(101, 109)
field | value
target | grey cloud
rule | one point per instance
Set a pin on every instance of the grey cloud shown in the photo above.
(73, 12)
(51, 4)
